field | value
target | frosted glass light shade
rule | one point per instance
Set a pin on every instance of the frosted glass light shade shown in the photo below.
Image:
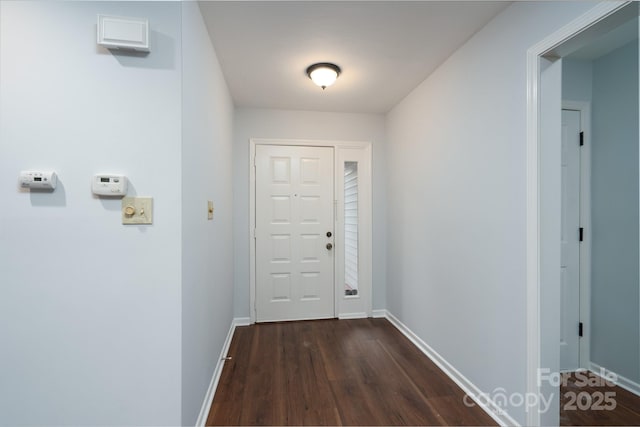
(323, 74)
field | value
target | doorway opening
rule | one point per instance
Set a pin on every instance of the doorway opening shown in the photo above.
(546, 255)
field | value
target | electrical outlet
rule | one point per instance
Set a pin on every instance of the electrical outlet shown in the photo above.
(137, 210)
(209, 209)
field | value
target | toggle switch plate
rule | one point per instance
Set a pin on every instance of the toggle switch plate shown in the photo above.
(137, 210)
(209, 209)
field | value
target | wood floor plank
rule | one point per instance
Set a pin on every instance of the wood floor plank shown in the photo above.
(455, 414)
(307, 391)
(431, 381)
(339, 364)
(265, 379)
(625, 413)
(334, 372)
(394, 392)
(232, 380)
(356, 372)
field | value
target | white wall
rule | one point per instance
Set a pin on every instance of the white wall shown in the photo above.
(258, 123)
(115, 325)
(456, 201)
(577, 80)
(207, 246)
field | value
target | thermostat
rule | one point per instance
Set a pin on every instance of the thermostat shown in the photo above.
(109, 185)
(38, 180)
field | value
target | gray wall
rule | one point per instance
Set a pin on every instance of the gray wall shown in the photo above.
(615, 330)
(456, 252)
(207, 258)
(577, 80)
(90, 314)
(263, 123)
(109, 324)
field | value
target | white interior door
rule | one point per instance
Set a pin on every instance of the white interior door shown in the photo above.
(294, 233)
(570, 242)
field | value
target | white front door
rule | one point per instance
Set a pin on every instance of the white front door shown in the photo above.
(294, 233)
(570, 243)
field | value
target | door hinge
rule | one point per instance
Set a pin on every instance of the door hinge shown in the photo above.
(254, 233)
(580, 329)
(581, 139)
(581, 234)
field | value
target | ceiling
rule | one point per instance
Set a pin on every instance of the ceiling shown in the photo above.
(385, 48)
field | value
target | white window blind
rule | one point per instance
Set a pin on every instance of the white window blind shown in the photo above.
(351, 227)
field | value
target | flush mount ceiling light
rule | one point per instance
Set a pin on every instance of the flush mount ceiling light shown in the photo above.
(323, 74)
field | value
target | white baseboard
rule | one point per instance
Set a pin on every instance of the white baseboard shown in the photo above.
(242, 321)
(362, 315)
(213, 385)
(490, 407)
(620, 381)
(379, 314)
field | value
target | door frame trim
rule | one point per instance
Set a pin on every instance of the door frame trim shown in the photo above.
(367, 209)
(584, 108)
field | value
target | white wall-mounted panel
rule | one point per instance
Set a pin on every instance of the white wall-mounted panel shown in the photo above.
(116, 32)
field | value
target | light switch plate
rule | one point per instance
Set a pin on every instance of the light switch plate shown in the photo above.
(137, 210)
(209, 209)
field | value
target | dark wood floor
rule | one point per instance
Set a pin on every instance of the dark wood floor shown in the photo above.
(335, 372)
(619, 408)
